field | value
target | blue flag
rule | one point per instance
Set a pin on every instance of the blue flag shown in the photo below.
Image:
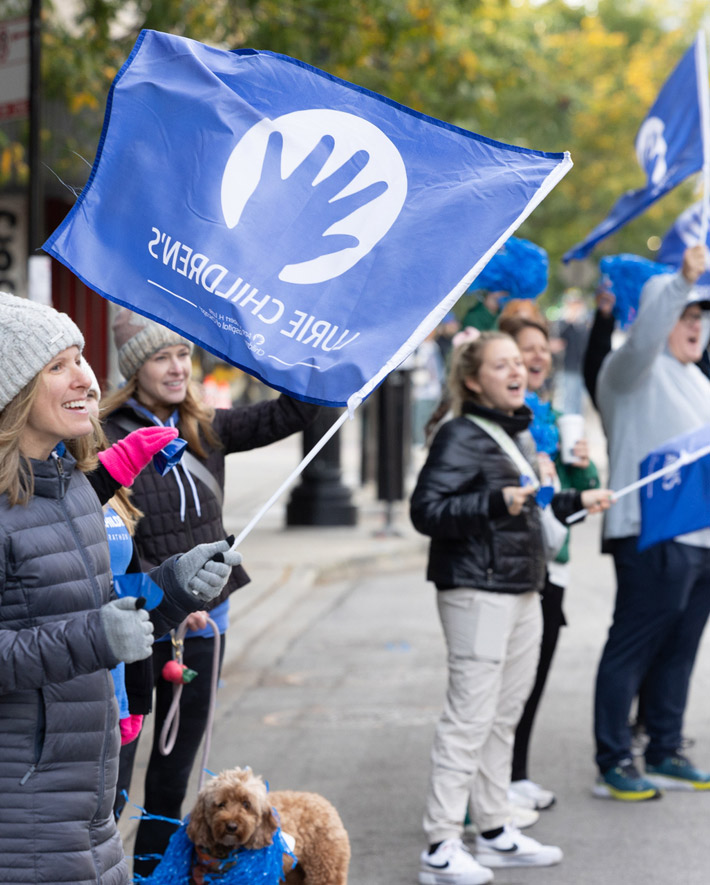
(686, 232)
(678, 502)
(302, 228)
(669, 146)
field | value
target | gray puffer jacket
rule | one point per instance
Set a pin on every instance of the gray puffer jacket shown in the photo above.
(59, 737)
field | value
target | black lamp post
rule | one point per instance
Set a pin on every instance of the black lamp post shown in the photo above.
(321, 498)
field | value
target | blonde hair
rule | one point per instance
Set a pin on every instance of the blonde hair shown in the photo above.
(194, 417)
(85, 449)
(126, 509)
(16, 477)
(466, 363)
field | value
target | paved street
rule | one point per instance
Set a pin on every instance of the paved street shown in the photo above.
(335, 677)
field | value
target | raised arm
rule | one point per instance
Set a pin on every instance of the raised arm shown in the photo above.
(663, 300)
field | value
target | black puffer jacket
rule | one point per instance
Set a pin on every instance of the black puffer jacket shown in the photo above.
(59, 738)
(171, 523)
(458, 503)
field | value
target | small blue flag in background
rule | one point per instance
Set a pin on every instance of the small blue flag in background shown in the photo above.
(304, 229)
(685, 232)
(680, 501)
(669, 147)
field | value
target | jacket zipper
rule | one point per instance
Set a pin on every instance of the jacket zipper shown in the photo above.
(97, 600)
(42, 715)
(39, 739)
(28, 774)
(102, 768)
(61, 474)
(77, 540)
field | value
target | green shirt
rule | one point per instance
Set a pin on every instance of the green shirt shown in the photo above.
(480, 318)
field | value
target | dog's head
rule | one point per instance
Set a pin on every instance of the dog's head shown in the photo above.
(232, 809)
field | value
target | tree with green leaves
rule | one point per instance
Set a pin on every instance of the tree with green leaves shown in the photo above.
(552, 76)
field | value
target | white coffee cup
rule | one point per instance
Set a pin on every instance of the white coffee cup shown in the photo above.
(571, 429)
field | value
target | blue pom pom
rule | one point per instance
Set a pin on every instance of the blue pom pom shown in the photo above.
(627, 275)
(519, 267)
(543, 426)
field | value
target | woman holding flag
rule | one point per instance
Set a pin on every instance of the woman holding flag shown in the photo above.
(180, 509)
(61, 629)
(649, 391)
(475, 499)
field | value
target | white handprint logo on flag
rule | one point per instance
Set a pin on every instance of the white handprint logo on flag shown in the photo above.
(651, 149)
(322, 187)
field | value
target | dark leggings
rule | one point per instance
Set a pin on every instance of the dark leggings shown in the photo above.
(167, 777)
(552, 620)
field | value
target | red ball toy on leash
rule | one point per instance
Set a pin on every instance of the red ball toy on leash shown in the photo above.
(178, 673)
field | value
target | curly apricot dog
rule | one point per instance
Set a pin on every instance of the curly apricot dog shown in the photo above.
(234, 809)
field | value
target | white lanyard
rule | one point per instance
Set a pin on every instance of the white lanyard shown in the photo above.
(496, 432)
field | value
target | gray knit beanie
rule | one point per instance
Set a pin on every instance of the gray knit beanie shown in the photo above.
(137, 338)
(31, 335)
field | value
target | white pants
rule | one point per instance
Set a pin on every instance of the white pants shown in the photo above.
(493, 642)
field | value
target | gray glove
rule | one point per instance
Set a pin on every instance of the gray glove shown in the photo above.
(204, 570)
(128, 629)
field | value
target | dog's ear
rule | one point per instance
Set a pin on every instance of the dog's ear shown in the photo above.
(263, 834)
(198, 829)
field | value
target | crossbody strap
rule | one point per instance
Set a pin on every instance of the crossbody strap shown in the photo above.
(193, 465)
(496, 432)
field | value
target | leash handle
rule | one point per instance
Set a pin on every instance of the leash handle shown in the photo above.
(169, 732)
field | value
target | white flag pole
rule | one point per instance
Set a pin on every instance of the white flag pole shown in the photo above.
(289, 479)
(701, 67)
(685, 458)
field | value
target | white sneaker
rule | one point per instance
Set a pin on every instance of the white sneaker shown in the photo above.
(528, 794)
(512, 849)
(452, 864)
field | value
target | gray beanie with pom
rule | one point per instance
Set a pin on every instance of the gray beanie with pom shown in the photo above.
(137, 338)
(31, 335)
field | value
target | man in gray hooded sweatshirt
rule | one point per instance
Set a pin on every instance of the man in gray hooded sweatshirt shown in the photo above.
(649, 391)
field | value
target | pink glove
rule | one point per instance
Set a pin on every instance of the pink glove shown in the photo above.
(130, 727)
(125, 459)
